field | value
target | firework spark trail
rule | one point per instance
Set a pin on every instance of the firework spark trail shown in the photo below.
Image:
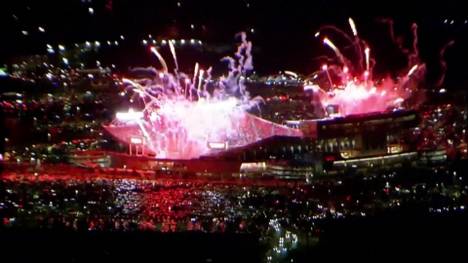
(160, 58)
(367, 53)
(395, 40)
(412, 70)
(145, 133)
(193, 85)
(357, 42)
(443, 63)
(353, 26)
(195, 72)
(413, 57)
(200, 79)
(173, 52)
(207, 79)
(413, 53)
(391, 30)
(337, 30)
(340, 56)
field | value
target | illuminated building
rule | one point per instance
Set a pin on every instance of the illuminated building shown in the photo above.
(326, 143)
(361, 136)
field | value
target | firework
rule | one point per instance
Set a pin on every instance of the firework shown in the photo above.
(178, 126)
(359, 93)
(327, 42)
(172, 48)
(160, 58)
(353, 26)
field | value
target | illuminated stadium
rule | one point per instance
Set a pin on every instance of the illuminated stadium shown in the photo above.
(188, 117)
(246, 129)
(184, 117)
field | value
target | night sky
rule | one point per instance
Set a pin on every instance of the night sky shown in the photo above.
(283, 31)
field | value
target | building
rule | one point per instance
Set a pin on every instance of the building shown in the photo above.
(325, 144)
(365, 139)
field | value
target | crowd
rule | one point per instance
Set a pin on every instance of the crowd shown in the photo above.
(127, 204)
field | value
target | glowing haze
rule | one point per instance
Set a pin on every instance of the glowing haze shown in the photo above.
(351, 86)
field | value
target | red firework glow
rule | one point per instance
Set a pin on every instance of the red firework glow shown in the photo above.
(355, 92)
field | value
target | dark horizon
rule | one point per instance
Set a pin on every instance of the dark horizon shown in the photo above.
(283, 35)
